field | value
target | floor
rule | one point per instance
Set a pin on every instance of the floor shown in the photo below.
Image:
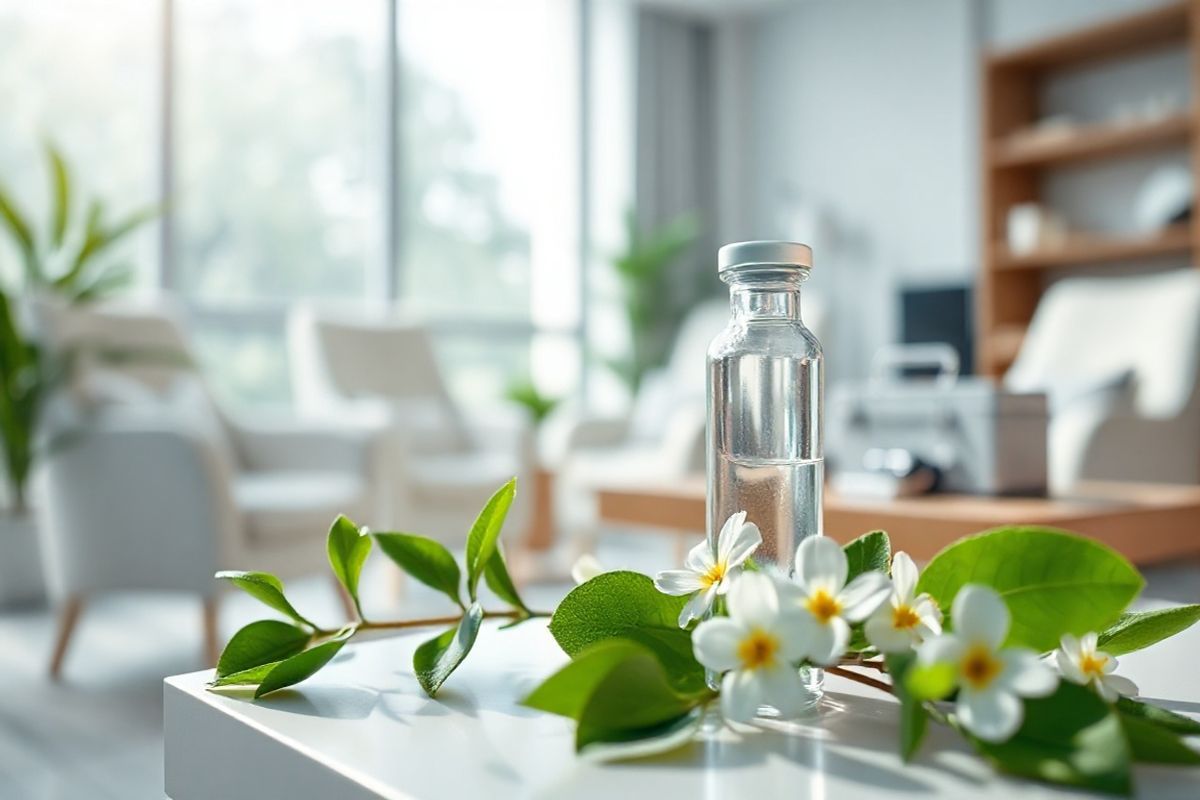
(98, 733)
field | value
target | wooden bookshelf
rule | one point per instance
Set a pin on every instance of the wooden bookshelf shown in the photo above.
(1015, 157)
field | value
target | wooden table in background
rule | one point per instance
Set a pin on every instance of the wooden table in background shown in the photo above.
(1147, 523)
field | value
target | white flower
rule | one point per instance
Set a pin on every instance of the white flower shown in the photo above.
(706, 575)
(990, 680)
(756, 646)
(826, 604)
(1080, 662)
(586, 567)
(907, 620)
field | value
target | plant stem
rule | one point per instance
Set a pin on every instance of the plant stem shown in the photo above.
(401, 624)
(863, 679)
(859, 661)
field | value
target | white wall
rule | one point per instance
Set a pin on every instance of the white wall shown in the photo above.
(867, 111)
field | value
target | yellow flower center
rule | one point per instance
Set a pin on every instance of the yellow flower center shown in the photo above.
(980, 666)
(822, 605)
(714, 575)
(1092, 665)
(904, 618)
(758, 649)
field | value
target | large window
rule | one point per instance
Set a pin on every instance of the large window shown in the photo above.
(288, 126)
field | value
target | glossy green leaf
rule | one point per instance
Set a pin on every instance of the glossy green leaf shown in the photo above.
(625, 605)
(914, 719)
(1053, 582)
(262, 642)
(1138, 629)
(1071, 737)
(425, 559)
(481, 542)
(265, 588)
(1159, 716)
(435, 660)
(247, 677)
(495, 574)
(604, 744)
(300, 667)
(1153, 744)
(348, 548)
(871, 551)
(930, 681)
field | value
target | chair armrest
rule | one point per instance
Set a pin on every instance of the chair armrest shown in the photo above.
(300, 444)
(137, 504)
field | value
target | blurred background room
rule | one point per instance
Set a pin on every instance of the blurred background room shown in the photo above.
(266, 262)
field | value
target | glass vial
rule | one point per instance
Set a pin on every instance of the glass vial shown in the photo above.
(765, 454)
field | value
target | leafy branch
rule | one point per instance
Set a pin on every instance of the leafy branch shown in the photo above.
(269, 654)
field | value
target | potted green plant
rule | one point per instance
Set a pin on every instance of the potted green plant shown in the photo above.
(65, 260)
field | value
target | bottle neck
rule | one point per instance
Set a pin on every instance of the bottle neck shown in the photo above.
(749, 302)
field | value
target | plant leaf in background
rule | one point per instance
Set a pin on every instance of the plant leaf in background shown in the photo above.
(870, 551)
(1138, 629)
(481, 542)
(26, 377)
(625, 605)
(1071, 737)
(426, 560)
(914, 719)
(348, 549)
(1052, 581)
(435, 660)
(263, 642)
(267, 589)
(1159, 716)
(1153, 744)
(60, 193)
(524, 393)
(19, 228)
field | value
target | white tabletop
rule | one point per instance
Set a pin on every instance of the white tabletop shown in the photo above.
(363, 729)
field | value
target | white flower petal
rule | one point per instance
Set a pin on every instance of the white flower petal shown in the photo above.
(980, 615)
(1121, 685)
(947, 649)
(904, 576)
(1110, 662)
(992, 715)
(865, 593)
(741, 544)
(1026, 674)
(698, 607)
(783, 689)
(820, 562)
(794, 629)
(1069, 667)
(1088, 642)
(930, 615)
(881, 633)
(1069, 645)
(715, 643)
(1107, 693)
(741, 695)
(753, 601)
(700, 559)
(827, 641)
(677, 582)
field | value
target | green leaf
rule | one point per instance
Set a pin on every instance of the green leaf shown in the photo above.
(914, 719)
(499, 581)
(931, 681)
(265, 588)
(1071, 737)
(625, 605)
(60, 192)
(624, 744)
(425, 559)
(22, 234)
(1053, 582)
(870, 551)
(1152, 744)
(1137, 629)
(481, 542)
(247, 677)
(1158, 715)
(262, 642)
(301, 666)
(348, 548)
(436, 659)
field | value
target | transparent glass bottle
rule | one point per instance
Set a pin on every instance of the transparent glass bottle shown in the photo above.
(765, 453)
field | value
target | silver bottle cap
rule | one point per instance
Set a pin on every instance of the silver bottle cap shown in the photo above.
(765, 253)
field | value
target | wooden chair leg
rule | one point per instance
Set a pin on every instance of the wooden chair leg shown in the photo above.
(212, 630)
(68, 616)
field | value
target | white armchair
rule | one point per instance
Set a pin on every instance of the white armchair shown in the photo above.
(1119, 359)
(439, 467)
(149, 486)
